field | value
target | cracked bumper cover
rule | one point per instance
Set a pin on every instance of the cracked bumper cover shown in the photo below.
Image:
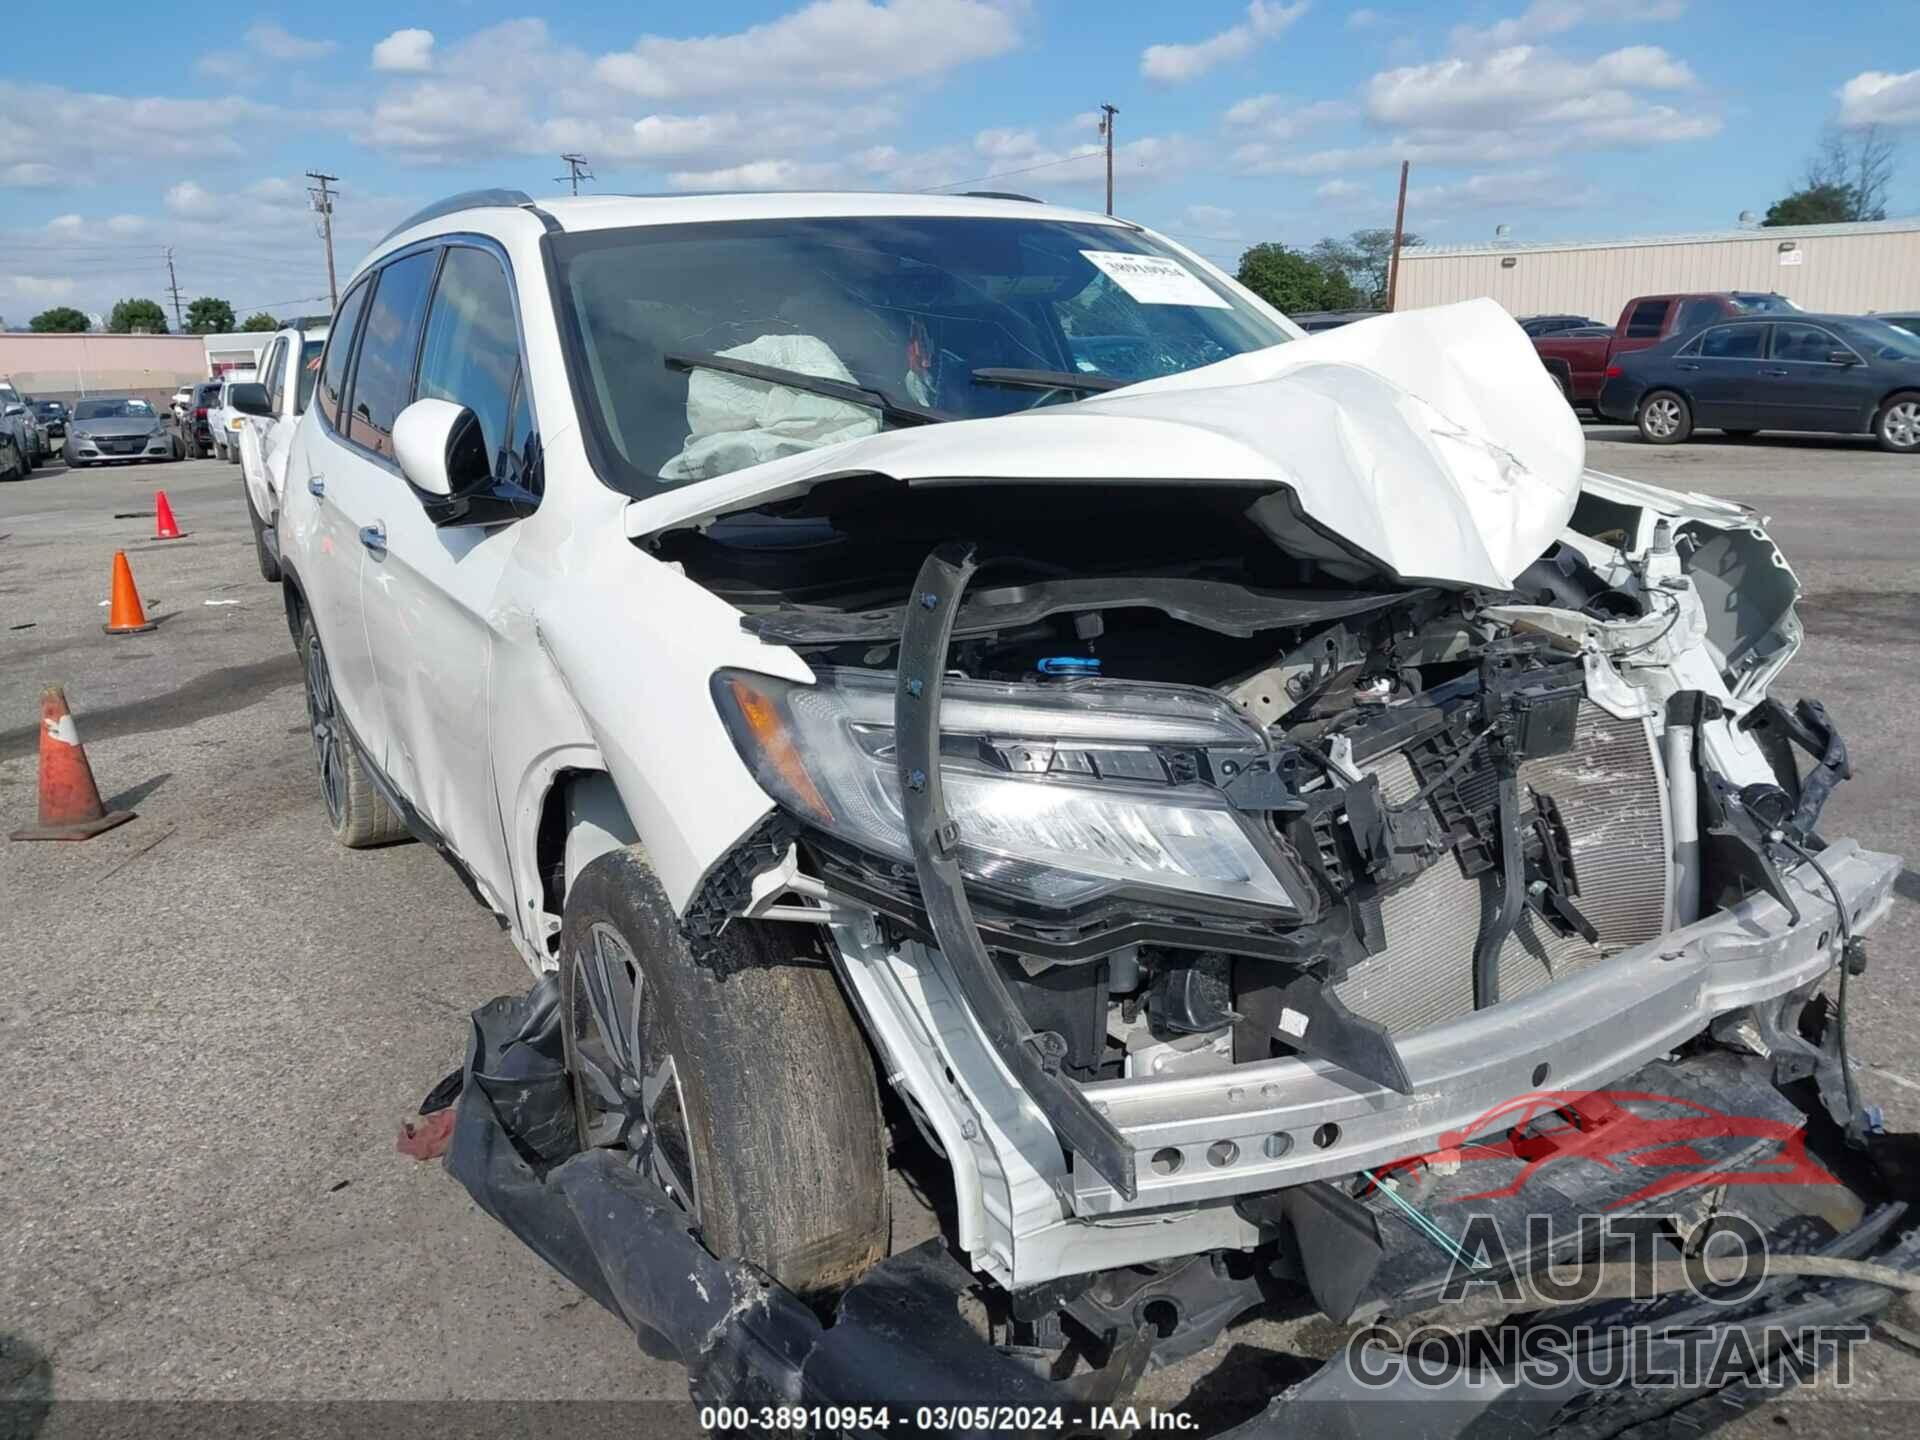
(897, 1337)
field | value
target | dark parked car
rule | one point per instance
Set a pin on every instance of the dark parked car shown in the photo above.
(194, 425)
(1906, 319)
(1554, 324)
(1314, 321)
(53, 418)
(1847, 374)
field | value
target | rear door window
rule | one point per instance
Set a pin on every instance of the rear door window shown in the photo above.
(1733, 342)
(333, 371)
(1648, 319)
(383, 378)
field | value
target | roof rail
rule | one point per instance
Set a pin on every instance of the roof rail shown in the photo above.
(465, 200)
(1002, 195)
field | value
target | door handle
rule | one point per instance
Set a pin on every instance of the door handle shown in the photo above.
(1687, 365)
(316, 486)
(1777, 374)
(374, 537)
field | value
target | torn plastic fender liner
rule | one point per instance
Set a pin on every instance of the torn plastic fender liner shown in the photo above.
(897, 1337)
(1033, 1058)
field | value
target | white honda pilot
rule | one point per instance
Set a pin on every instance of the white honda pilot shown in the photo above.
(975, 648)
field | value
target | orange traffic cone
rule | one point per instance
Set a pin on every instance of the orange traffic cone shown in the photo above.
(164, 525)
(124, 615)
(70, 807)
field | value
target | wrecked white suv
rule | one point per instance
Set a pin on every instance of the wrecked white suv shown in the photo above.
(974, 650)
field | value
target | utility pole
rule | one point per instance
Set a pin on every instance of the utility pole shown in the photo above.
(173, 287)
(1107, 112)
(1399, 229)
(577, 170)
(322, 200)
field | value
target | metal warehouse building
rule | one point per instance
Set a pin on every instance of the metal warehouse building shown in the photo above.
(1846, 269)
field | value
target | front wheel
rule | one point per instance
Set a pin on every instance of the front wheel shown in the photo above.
(357, 813)
(1664, 418)
(1897, 426)
(748, 1099)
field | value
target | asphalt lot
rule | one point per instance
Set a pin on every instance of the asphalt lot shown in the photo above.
(214, 1019)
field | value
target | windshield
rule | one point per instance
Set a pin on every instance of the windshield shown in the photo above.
(112, 410)
(1764, 304)
(935, 318)
(1883, 341)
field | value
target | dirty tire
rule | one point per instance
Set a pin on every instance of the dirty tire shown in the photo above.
(1897, 426)
(777, 1115)
(357, 813)
(269, 567)
(1664, 418)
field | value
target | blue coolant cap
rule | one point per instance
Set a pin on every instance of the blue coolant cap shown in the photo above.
(1069, 665)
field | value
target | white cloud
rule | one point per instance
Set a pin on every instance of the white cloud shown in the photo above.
(1515, 106)
(42, 289)
(99, 136)
(406, 52)
(277, 43)
(1875, 97)
(1544, 19)
(1365, 19)
(1519, 85)
(1340, 191)
(1537, 189)
(825, 45)
(1213, 219)
(1177, 64)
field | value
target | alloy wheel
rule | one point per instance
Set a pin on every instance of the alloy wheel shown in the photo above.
(1662, 417)
(1902, 425)
(629, 1088)
(328, 742)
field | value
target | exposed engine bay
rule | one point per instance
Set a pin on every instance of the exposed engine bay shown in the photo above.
(1209, 815)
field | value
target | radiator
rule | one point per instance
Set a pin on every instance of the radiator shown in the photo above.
(1612, 799)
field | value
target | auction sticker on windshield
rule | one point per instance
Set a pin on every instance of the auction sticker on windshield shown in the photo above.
(1154, 279)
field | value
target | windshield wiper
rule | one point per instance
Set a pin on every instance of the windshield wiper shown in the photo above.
(1046, 379)
(814, 384)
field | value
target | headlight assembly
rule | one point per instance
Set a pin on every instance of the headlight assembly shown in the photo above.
(1058, 791)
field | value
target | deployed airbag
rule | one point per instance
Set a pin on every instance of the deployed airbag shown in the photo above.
(733, 421)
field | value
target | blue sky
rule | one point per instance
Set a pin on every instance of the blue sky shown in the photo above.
(1280, 119)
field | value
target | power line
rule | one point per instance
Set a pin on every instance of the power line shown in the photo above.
(1003, 174)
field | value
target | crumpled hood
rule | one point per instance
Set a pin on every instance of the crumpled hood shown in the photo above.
(1432, 443)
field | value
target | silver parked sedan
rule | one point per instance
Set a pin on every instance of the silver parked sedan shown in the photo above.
(116, 427)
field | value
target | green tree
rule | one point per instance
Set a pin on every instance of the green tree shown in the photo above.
(1292, 282)
(60, 320)
(209, 316)
(1364, 257)
(140, 314)
(259, 320)
(1812, 205)
(1847, 179)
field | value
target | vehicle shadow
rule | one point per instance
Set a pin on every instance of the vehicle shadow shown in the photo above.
(1766, 440)
(26, 1387)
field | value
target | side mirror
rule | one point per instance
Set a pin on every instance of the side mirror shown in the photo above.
(1842, 357)
(440, 448)
(250, 399)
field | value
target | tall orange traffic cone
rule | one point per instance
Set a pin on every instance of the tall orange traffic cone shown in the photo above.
(124, 615)
(164, 525)
(70, 807)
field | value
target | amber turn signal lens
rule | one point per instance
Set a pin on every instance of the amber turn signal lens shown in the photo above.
(769, 731)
